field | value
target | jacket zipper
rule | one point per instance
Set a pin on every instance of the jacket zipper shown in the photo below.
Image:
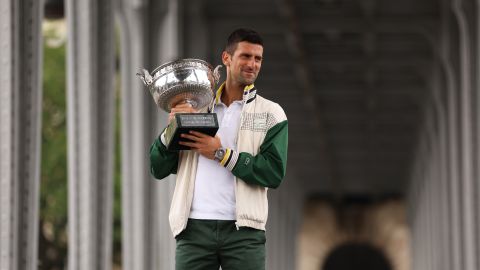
(242, 119)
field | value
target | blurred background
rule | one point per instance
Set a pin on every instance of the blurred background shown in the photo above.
(383, 106)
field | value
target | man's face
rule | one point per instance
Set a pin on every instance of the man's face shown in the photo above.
(244, 65)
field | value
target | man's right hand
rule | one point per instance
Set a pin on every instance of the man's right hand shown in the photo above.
(181, 108)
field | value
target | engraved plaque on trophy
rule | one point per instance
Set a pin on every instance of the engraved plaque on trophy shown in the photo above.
(206, 123)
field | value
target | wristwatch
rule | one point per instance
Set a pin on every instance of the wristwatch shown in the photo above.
(219, 154)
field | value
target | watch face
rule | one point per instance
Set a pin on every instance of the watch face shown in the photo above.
(219, 154)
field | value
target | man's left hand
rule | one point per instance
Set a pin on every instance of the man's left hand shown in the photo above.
(203, 144)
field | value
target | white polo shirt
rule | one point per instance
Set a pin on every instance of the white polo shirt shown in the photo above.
(214, 192)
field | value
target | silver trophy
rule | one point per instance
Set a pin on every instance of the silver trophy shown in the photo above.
(184, 81)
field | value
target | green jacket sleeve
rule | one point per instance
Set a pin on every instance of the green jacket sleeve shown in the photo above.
(162, 162)
(268, 167)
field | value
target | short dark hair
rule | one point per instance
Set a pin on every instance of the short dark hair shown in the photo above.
(239, 35)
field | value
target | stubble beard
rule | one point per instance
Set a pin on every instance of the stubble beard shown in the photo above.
(247, 81)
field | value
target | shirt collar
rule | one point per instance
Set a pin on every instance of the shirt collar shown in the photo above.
(248, 92)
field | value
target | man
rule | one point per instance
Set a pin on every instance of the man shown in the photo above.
(219, 208)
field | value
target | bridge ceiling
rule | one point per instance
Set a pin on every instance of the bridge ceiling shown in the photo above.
(351, 76)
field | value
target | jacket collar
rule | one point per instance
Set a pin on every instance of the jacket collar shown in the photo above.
(249, 94)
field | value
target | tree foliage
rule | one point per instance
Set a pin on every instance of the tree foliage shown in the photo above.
(53, 191)
(53, 230)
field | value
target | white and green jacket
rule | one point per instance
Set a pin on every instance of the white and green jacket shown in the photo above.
(258, 163)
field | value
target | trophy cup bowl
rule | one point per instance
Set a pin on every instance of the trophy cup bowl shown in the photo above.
(184, 81)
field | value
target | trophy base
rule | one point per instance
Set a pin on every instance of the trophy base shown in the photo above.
(206, 123)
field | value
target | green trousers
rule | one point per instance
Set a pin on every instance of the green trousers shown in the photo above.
(209, 244)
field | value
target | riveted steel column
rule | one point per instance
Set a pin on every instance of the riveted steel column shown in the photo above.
(466, 138)
(171, 39)
(294, 198)
(476, 100)
(453, 150)
(449, 63)
(426, 194)
(432, 191)
(285, 210)
(150, 34)
(90, 102)
(272, 230)
(438, 96)
(417, 212)
(426, 198)
(20, 131)
(425, 190)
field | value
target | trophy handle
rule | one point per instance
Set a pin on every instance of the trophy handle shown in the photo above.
(216, 74)
(145, 76)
